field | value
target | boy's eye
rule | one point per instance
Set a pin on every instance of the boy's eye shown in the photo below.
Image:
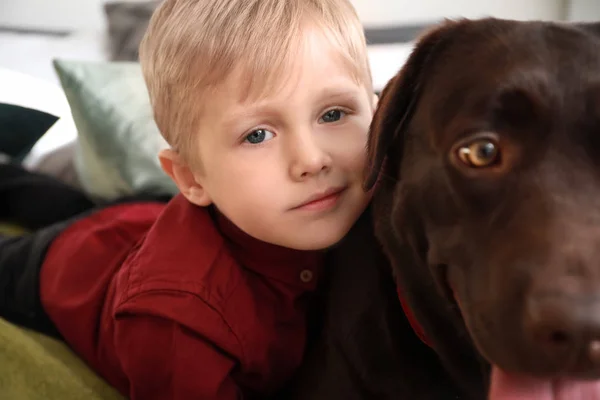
(332, 116)
(259, 136)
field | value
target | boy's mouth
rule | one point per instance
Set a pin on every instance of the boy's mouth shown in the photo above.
(322, 200)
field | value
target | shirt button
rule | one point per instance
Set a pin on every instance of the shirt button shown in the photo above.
(306, 276)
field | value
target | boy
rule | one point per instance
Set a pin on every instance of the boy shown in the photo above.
(265, 105)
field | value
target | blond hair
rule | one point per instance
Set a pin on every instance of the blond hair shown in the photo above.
(193, 45)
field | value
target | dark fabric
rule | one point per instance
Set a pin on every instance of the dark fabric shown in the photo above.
(34, 201)
(46, 205)
(20, 261)
(21, 128)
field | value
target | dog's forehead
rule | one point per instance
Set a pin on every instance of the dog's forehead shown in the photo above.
(547, 60)
(488, 54)
(500, 45)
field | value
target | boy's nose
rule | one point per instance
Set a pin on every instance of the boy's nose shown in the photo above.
(308, 159)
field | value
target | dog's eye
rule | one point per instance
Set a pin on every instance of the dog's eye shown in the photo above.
(480, 153)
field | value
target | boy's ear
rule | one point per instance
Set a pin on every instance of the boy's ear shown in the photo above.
(184, 177)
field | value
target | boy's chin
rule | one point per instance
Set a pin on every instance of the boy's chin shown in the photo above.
(313, 242)
(327, 235)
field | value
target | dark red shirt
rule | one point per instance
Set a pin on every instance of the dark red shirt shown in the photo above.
(175, 302)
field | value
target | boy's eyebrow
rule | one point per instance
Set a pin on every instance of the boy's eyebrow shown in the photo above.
(336, 92)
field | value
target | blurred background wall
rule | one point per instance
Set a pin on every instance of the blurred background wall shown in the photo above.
(32, 32)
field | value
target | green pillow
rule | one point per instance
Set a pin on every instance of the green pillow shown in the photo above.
(37, 367)
(118, 140)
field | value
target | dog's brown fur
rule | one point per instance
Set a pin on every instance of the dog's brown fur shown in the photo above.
(516, 244)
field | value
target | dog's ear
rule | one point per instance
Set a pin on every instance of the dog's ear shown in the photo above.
(400, 96)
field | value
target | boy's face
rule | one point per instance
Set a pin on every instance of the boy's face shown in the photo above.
(288, 168)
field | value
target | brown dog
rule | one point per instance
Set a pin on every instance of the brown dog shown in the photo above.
(486, 153)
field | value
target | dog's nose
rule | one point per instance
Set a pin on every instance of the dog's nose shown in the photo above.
(564, 330)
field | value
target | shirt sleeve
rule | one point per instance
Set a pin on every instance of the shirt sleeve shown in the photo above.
(163, 359)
